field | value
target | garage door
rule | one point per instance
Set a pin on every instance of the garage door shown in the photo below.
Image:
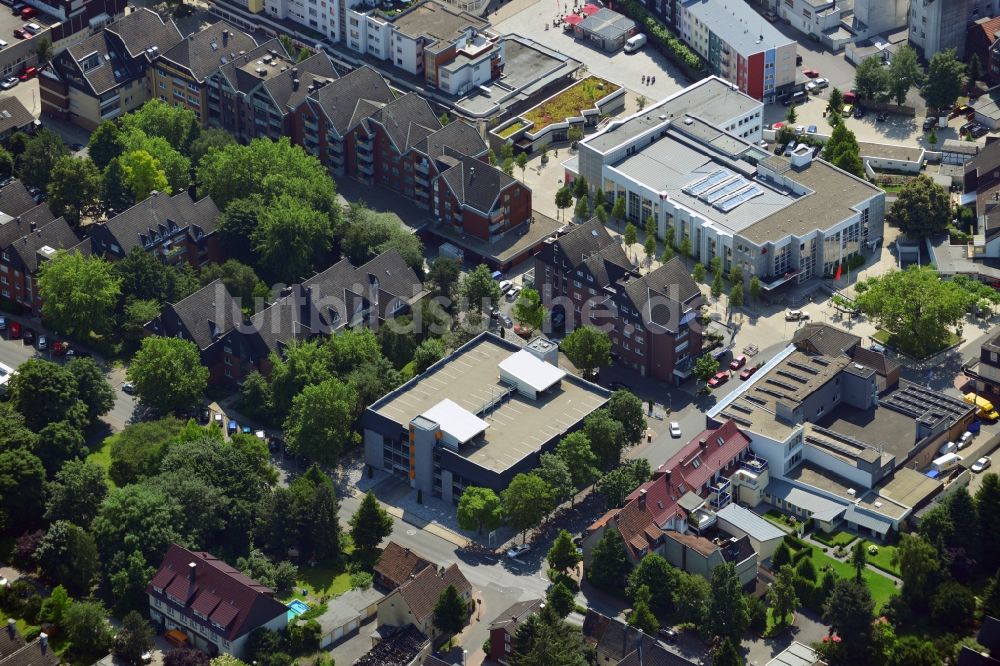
(352, 625)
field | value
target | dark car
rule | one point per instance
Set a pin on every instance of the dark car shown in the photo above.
(618, 386)
(28, 336)
(667, 634)
(205, 415)
(979, 130)
(859, 112)
(930, 122)
(276, 444)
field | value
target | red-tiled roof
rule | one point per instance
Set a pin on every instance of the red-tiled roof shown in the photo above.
(421, 593)
(990, 28)
(224, 595)
(695, 464)
(396, 564)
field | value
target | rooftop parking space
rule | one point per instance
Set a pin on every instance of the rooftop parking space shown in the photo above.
(879, 427)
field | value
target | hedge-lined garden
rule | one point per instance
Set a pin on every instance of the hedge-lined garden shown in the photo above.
(664, 39)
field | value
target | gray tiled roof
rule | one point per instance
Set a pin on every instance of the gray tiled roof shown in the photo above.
(476, 184)
(13, 115)
(39, 244)
(204, 316)
(820, 338)
(159, 210)
(203, 52)
(672, 282)
(407, 120)
(590, 237)
(242, 80)
(457, 138)
(282, 88)
(340, 99)
(144, 29)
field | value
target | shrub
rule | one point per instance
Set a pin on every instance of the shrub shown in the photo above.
(662, 36)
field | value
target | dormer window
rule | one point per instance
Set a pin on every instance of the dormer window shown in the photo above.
(721, 441)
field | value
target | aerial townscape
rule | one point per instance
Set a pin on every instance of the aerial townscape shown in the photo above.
(499, 332)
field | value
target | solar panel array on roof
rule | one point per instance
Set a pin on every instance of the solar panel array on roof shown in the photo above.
(725, 190)
(803, 367)
(732, 202)
(701, 185)
(791, 375)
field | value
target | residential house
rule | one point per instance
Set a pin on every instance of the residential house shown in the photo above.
(180, 75)
(618, 644)
(985, 370)
(405, 646)
(981, 41)
(674, 514)
(14, 117)
(211, 603)
(105, 75)
(206, 318)
(480, 200)
(21, 260)
(346, 615)
(586, 276)
(989, 638)
(397, 565)
(254, 94)
(413, 602)
(15, 651)
(503, 628)
(175, 228)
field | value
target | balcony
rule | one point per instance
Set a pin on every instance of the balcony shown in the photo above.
(721, 500)
(721, 486)
(754, 465)
(423, 167)
(334, 145)
(421, 179)
(366, 169)
(365, 156)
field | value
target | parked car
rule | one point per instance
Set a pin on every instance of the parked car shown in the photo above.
(675, 429)
(812, 129)
(17, 7)
(522, 331)
(796, 315)
(518, 551)
(28, 12)
(964, 440)
(29, 73)
(848, 110)
(9, 82)
(28, 337)
(21, 33)
(3, 323)
(667, 634)
(859, 112)
(15, 330)
(981, 464)
(61, 348)
(979, 130)
(738, 362)
(771, 17)
(205, 415)
(33, 28)
(930, 123)
(811, 73)
(128, 387)
(505, 286)
(748, 372)
(43, 342)
(811, 88)
(506, 321)
(618, 386)
(877, 347)
(821, 83)
(718, 379)
(800, 129)
(513, 293)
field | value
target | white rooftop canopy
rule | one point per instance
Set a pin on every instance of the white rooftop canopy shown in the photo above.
(456, 421)
(531, 371)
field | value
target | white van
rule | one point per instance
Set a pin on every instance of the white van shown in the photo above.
(635, 42)
(946, 462)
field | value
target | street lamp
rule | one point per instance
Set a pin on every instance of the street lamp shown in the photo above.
(465, 655)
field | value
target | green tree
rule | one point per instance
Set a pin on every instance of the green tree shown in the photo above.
(736, 296)
(859, 558)
(46, 393)
(427, 353)
(691, 598)
(607, 438)
(850, 611)
(105, 144)
(87, 628)
(904, 72)
(522, 163)
(168, 374)
(698, 272)
(649, 247)
(144, 277)
(526, 501)
(617, 484)
(579, 187)
(563, 554)
(479, 288)
(116, 194)
(92, 387)
(370, 524)
(628, 410)
(945, 76)
(919, 325)
(841, 140)
(528, 310)
(835, 105)
(806, 569)
(988, 515)
(370, 234)
(291, 237)
(209, 141)
(630, 234)
(587, 348)
(79, 293)
(22, 489)
(871, 79)
(128, 583)
(133, 639)
(755, 288)
(240, 279)
(74, 189)
(554, 471)
(618, 209)
(668, 254)
(143, 174)
(641, 617)
(913, 651)
(953, 605)
(398, 341)
(932, 138)
(781, 594)
(6, 163)
(68, 554)
(922, 207)
(44, 50)
(176, 124)
(444, 273)
(135, 518)
(582, 209)
(41, 152)
(561, 599)
(479, 508)
(564, 198)
(609, 564)
(320, 423)
(576, 452)
(655, 574)
(791, 117)
(76, 493)
(54, 608)
(451, 612)
(728, 616)
(706, 366)
(726, 654)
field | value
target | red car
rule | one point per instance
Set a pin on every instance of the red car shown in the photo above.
(60, 347)
(738, 362)
(21, 33)
(811, 73)
(15, 330)
(747, 372)
(28, 12)
(29, 73)
(719, 379)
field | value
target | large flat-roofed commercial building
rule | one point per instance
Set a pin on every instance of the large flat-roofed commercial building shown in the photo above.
(691, 163)
(740, 46)
(478, 417)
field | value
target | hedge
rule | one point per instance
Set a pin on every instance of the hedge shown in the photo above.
(795, 542)
(670, 44)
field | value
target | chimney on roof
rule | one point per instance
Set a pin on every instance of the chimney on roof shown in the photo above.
(192, 571)
(33, 225)
(43, 641)
(225, 37)
(12, 627)
(642, 498)
(703, 443)
(295, 84)
(295, 72)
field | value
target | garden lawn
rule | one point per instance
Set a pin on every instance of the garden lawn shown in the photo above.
(835, 538)
(781, 520)
(319, 582)
(570, 102)
(511, 129)
(102, 457)
(883, 560)
(773, 626)
(881, 588)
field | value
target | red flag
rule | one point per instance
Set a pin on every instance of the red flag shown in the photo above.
(840, 268)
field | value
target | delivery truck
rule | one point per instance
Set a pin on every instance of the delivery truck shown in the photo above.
(984, 408)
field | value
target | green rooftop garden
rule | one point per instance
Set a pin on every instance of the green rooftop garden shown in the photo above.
(511, 129)
(570, 102)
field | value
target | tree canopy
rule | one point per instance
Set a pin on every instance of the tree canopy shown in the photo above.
(945, 77)
(922, 207)
(79, 293)
(478, 509)
(168, 373)
(587, 348)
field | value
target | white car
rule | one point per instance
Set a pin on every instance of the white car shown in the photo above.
(506, 286)
(796, 315)
(820, 83)
(799, 129)
(518, 551)
(981, 464)
(964, 440)
(128, 387)
(675, 429)
(811, 87)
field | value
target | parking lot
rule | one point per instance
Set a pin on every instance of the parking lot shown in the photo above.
(9, 22)
(623, 68)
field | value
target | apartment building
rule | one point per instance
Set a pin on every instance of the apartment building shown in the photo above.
(174, 228)
(254, 94)
(214, 605)
(586, 276)
(412, 603)
(690, 162)
(936, 25)
(740, 46)
(985, 370)
(106, 74)
(179, 76)
(29, 235)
